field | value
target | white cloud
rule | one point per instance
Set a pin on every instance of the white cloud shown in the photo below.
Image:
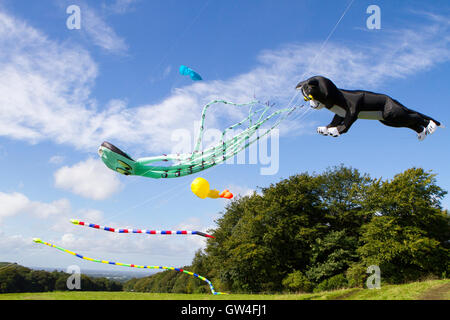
(92, 215)
(17, 203)
(89, 178)
(68, 239)
(156, 78)
(102, 34)
(56, 159)
(241, 191)
(45, 86)
(44, 210)
(95, 243)
(12, 204)
(94, 26)
(12, 244)
(167, 71)
(120, 6)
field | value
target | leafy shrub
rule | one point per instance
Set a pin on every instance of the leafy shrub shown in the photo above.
(336, 282)
(356, 275)
(297, 282)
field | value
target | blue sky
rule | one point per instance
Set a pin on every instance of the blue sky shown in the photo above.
(63, 92)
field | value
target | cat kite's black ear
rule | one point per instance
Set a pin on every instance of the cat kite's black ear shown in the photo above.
(300, 85)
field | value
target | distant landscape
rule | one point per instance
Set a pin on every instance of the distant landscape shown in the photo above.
(120, 276)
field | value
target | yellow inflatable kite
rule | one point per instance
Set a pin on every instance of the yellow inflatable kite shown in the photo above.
(200, 187)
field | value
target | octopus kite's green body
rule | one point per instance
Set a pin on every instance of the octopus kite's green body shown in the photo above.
(198, 160)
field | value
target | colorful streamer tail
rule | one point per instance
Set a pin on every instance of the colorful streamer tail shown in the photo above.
(213, 291)
(143, 231)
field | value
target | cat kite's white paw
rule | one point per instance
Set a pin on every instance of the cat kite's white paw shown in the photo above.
(432, 126)
(334, 132)
(322, 130)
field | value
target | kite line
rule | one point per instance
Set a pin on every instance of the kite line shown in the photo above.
(213, 291)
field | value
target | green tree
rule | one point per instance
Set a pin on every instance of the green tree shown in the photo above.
(297, 282)
(332, 255)
(322, 230)
(408, 237)
(336, 282)
(344, 192)
(40, 281)
(262, 238)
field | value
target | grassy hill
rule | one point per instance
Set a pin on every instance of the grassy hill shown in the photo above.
(425, 290)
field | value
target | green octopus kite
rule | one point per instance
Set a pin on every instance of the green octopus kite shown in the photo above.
(198, 160)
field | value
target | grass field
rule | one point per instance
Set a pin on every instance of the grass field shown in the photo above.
(425, 290)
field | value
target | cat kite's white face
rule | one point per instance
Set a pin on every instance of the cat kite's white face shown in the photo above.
(316, 104)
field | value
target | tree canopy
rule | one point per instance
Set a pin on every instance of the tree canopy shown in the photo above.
(322, 231)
